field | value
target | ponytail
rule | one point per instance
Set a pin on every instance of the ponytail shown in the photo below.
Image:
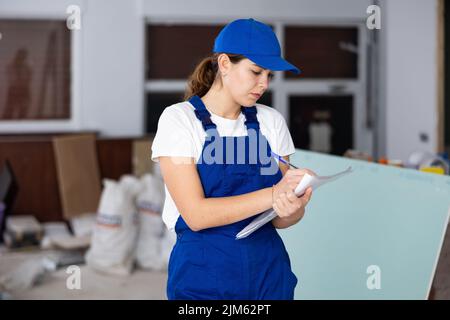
(201, 80)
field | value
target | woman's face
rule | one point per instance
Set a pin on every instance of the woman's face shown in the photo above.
(245, 81)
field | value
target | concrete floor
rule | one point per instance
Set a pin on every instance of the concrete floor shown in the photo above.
(148, 284)
(441, 283)
(139, 285)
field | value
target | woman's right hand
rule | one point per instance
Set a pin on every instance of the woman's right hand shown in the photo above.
(289, 182)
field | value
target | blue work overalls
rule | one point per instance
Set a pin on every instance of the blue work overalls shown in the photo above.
(211, 263)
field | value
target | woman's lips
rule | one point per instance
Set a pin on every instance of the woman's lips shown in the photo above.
(256, 95)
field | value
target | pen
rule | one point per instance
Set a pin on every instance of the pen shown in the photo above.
(282, 160)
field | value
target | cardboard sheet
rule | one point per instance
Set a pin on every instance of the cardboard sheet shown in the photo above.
(142, 162)
(78, 174)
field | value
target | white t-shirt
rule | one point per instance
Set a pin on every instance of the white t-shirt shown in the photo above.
(181, 134)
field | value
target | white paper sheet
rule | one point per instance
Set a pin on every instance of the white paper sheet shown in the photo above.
(307, 181)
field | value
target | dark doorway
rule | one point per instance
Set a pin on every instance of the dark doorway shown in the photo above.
(322, 123)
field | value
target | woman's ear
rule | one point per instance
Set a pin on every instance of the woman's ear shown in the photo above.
(224, 64)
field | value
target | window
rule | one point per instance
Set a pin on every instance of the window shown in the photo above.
(326, 104)
(323, 52)
(326, 100)
(156, 103)
(173, 51)
(34, 70)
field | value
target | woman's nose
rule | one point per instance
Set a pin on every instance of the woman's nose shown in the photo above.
(264, 82)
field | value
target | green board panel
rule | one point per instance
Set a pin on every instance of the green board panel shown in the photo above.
(383, 216)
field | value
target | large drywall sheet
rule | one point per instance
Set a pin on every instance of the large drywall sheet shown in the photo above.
(391, 218)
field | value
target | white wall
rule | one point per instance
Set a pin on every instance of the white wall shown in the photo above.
(107, 66)
(109, 58)
(304, 10)
(113, 68)
(108, 53)
(410, 82)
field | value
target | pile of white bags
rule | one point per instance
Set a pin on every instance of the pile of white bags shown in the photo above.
(129, 227)
(151, 251)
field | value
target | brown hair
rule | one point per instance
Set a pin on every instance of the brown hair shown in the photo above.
(201, 80)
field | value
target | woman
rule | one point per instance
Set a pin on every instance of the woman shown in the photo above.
(215, 157)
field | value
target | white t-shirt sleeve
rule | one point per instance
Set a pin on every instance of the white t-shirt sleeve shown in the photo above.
(285, 145)
(174, 136)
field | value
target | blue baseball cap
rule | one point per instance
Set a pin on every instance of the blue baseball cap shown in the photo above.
(254, 40)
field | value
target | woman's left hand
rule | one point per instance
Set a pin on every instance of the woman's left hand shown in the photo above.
(289, 207)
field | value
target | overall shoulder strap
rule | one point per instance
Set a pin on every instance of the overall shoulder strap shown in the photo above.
(202, 113)
(251, 121)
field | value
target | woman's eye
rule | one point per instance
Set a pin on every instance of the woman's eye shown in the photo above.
(271, 75)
